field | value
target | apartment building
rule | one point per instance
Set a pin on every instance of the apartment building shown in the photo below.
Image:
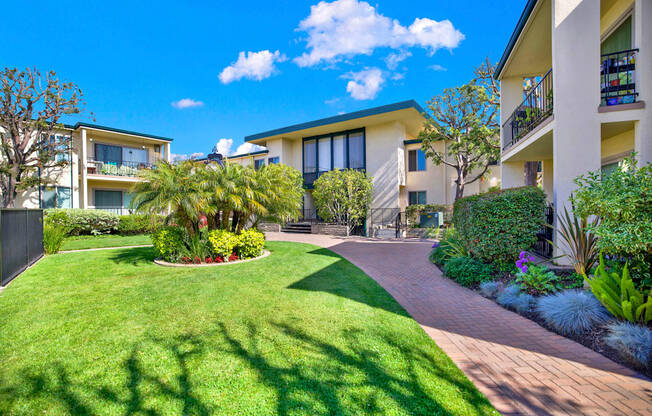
(104, 164)
(381, 141)
(576, 85)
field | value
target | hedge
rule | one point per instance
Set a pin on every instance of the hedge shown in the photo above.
(139, 224)
(83, 221)
(497, 226)
(413, 211)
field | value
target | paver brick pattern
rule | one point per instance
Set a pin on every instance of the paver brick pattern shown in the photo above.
(521, 367)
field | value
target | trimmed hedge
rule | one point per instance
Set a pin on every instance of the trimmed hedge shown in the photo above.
(139, 224)
(83, 221)
(497, 226)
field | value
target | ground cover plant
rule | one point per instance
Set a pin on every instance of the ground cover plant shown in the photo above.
(302, 331)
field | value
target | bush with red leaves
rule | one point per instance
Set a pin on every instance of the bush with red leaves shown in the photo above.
(233, 257)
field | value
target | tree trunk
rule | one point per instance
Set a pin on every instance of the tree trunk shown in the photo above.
(531, 173)
(9, 197)
(459, 191)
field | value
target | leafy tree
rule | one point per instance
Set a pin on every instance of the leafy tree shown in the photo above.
(31, 106)
(462, 130)
(343, 196)
(622, 200)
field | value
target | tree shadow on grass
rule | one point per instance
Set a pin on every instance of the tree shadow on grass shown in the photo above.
(347, 375)
(342, 278)
(134, 256)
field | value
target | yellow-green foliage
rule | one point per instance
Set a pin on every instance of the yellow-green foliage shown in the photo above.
(250, 243)
(619, 296)
(223, 242)
(168, 242)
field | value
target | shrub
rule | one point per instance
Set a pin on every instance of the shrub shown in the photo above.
(467, 271)
(633, 342)
(490, 289)
(343, 196)
(618, 294)
(623, 202)
(169, 243)
(449, 247)
(572, 312)
(537, 280)
(83, 221)
(512, 298)
(496, 226)
(222, 242)
(139, 224)
(250, 244)
(53, 237)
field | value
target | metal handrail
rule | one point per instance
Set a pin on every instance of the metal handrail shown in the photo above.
(117, 167)
(535, 108)
(617, 83)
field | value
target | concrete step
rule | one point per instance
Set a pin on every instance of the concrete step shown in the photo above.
(297, 228)
(385, 233)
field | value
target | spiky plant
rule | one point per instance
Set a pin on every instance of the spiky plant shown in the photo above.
(633, 342)
(572, 312)
(580, 240)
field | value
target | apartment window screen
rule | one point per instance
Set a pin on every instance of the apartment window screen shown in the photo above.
(273, 160)
(108, 199)
(324, 154)
(417, 197)
(416, 160)
(56, 197)
(309, 156)
(356, 151)
(106, 153)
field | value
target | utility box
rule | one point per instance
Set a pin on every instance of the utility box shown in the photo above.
(431, 219)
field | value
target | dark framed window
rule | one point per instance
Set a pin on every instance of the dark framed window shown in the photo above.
(108, 199)
(416, 160)
(56, 197)
(273, 160)
(259, 163)
(417, 197)
(339, 150)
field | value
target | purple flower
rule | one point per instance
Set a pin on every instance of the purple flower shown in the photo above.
(435, 245)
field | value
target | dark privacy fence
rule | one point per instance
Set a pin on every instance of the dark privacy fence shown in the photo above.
(21, 241)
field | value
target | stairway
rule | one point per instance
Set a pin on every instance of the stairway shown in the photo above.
(385, 233)
(296, 228)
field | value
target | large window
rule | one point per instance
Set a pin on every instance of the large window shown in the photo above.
(273, 160)
(259, 163)
(108, 199)
(333, 151)
(417, 197)
(416, 160)
(55, 197)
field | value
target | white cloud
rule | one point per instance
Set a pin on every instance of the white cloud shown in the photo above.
(247, 148)
(364, 85)
(176, 157)
(186, 103)
(332, 101)
(352, 27)
(437, 67)
(398, 76)
(252, 65)
(393, 59)
(223, 146)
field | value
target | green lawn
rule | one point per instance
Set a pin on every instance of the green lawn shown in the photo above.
(107, 240)
(302, 331)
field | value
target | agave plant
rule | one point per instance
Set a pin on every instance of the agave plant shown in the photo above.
(580, 240)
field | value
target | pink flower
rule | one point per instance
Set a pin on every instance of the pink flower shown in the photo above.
(203, 222)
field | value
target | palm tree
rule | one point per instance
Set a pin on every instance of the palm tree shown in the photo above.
(174, 188)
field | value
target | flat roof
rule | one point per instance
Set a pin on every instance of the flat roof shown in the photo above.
(402, 105)
(257, 152)
(529, 6)
(115, 130)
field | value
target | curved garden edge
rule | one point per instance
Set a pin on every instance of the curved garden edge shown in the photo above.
(167, 264)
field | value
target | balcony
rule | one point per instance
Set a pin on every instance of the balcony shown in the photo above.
(618, 78)
(309, 178)
(536, 107)
(116, 167)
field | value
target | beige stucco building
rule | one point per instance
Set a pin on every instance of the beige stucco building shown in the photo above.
(104, 163)
(381, 140)
(576, 83)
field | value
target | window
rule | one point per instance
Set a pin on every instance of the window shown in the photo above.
(416, 160)
(273, 160)
(259, 163)
(108, 199)
(620, 39)
(417, 197)
(334, 151)
(60, 144)
(108, 154)
(55, 197)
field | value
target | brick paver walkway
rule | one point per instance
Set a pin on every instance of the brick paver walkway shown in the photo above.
(521, 367)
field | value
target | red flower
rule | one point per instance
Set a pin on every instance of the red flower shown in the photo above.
(197, 260)
(185, 259)
(219, 260)
(203, 222)
(208, 260)
(233, 257)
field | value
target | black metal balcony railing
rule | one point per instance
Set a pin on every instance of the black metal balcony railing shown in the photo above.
(618, 77)
(116, 210)
(309, 178)
(115, 168)
(536, 107)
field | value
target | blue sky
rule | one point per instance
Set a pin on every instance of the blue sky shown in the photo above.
(247, 67)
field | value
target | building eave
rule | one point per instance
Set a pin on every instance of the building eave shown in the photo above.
(525, 16)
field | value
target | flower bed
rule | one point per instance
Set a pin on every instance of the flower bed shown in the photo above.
(557, 301)
(212, 262)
